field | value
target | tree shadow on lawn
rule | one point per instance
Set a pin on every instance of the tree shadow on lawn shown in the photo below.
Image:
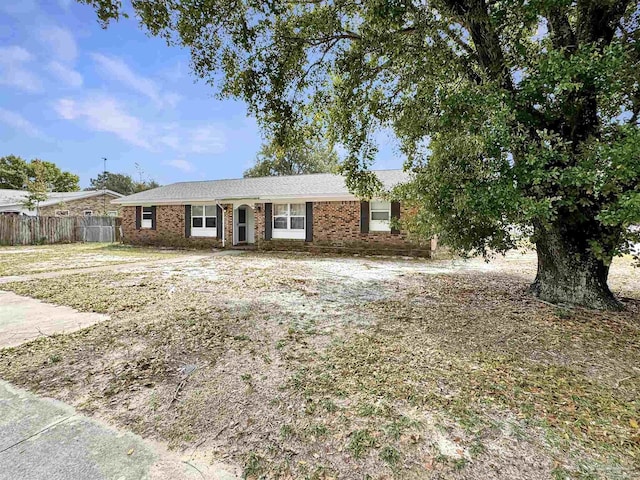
(477, 346)
(458, 376)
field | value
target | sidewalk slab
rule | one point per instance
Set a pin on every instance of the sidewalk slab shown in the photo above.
(43, 439)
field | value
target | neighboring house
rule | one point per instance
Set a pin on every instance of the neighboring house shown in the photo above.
(303, 212)
(84, 203)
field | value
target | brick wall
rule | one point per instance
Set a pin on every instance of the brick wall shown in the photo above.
(96, 204)
(228, 224)
(258, 211)
(169, 231)
(336, 227)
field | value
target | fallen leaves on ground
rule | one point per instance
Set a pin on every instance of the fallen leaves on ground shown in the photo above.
(325, 367)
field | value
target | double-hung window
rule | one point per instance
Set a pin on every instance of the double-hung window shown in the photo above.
(289, 220)
(380, 216)
(147, 217)
(204, 222)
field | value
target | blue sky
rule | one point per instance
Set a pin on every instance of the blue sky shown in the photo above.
(72, 93)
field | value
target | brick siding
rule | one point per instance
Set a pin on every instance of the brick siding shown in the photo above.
(169, 231)
(77, 207)
(336, 228)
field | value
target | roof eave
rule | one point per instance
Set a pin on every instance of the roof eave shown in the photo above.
(189, 201)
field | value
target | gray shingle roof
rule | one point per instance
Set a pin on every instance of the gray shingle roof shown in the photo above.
(293, 186)
(16, 197)
(11, 197)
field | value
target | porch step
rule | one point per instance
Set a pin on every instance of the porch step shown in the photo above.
(243, 247)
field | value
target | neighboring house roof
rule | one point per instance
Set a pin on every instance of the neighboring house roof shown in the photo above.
(14, 199)
(317, 185)
(11, 197)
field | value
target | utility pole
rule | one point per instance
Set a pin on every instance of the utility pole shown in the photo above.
(104, 186)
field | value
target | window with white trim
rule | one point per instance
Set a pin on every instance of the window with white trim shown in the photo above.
(87, 213)
(204, 221)
(112, 213)
(289, 220)
(379, 216)
(62, 213)
(147, 217)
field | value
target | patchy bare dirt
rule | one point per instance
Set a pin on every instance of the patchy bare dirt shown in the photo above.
(51, 258)
(296, 366)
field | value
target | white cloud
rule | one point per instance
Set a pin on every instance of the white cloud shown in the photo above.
(180, 164)
(14, 70)
(207, 139)
(204, 139)
(170, 140)
(17, 121)
(104, 114)
(14, 54)
(61, 43)
(64, 52)
(66, 74)
(118, 69)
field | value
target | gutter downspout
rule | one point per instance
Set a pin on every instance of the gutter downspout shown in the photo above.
(223, 232)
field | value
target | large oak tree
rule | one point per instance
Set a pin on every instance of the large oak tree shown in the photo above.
(308, 157)
(517, 117)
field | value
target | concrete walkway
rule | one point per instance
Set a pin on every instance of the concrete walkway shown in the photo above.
(42, 439)
(23, 319)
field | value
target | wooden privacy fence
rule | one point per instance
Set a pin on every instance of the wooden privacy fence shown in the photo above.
(22, 230)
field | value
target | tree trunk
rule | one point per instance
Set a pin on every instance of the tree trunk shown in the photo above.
(568, 272)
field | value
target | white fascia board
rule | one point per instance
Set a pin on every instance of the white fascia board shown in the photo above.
(96, 193)
(17, 208)
(315, 198)
(239, 200)
(84, 196)
(153, 203)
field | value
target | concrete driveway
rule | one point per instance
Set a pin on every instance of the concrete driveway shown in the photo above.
(23, 319)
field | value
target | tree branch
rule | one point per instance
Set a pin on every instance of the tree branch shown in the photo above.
(562, 36)
(598, 20)
(474, 16)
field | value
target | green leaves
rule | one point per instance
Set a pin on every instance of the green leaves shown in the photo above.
(509, 113)
(121, 183)
(313, 157)
(18, 174)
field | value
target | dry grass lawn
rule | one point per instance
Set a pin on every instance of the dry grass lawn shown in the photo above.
(51, 258)
(321, 367)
